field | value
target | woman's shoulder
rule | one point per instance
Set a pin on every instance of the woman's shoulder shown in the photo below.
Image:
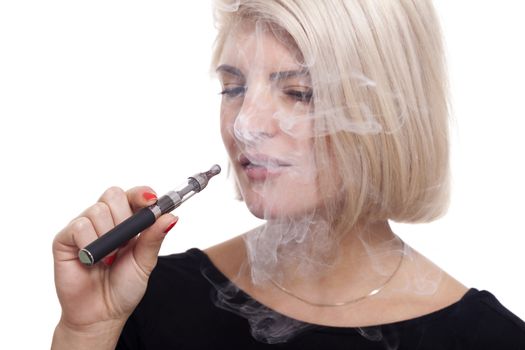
(486, 301)
(190, 274)
(446, 304)
(183, 262)
(484, 313)
(476, 321)
(176, 277)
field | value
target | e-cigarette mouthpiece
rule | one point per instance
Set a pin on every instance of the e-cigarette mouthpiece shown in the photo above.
(145, 217)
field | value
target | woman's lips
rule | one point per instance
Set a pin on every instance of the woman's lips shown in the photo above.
(262, 167)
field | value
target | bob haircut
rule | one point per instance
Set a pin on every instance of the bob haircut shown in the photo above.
(379, 94)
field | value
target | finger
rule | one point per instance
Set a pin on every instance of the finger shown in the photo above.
(147, 246)
(76, 235)
(140, 197)
(100, 216)
(117, 201)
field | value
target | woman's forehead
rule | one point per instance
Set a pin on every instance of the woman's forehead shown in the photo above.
(252, 45)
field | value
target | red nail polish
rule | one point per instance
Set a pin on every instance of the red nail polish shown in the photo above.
(149, 196)
(109, 260)
(170, 226)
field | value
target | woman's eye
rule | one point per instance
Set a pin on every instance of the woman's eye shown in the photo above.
(300, 95)
(234, 91)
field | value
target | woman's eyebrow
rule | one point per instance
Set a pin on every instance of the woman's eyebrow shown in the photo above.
(230, 70)
(288, 74)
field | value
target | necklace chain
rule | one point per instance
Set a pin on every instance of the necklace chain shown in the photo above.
(348, 302)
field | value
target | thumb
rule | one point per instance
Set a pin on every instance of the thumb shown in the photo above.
(147, 247)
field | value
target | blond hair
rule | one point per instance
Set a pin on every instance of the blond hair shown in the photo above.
(378, 67)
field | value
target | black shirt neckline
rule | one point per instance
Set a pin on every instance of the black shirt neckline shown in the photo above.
(212, 272)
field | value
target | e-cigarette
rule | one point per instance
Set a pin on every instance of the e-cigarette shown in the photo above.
(144, 218)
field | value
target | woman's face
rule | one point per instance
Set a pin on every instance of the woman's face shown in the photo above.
(265, 123)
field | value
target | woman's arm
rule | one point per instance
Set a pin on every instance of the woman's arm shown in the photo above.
(103, 335)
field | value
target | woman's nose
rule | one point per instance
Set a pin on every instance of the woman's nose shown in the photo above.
(256, 119)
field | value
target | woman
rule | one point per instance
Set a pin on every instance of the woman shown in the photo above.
(334, 116)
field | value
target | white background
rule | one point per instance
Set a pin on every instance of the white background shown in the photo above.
(101, 93)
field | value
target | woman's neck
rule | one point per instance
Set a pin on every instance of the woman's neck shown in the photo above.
(306, 259)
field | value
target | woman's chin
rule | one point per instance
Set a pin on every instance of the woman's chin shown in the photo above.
(259, 210)
(280, 211)
(281, 203)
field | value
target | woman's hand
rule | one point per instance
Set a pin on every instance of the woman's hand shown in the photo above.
(107, 293)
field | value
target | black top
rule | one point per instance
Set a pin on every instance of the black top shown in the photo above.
(189, 304)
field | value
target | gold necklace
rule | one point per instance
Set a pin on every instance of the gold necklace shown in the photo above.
(348, 302)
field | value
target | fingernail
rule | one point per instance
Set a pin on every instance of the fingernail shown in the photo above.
(170, 226)
(149, 196)
(109, 260)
